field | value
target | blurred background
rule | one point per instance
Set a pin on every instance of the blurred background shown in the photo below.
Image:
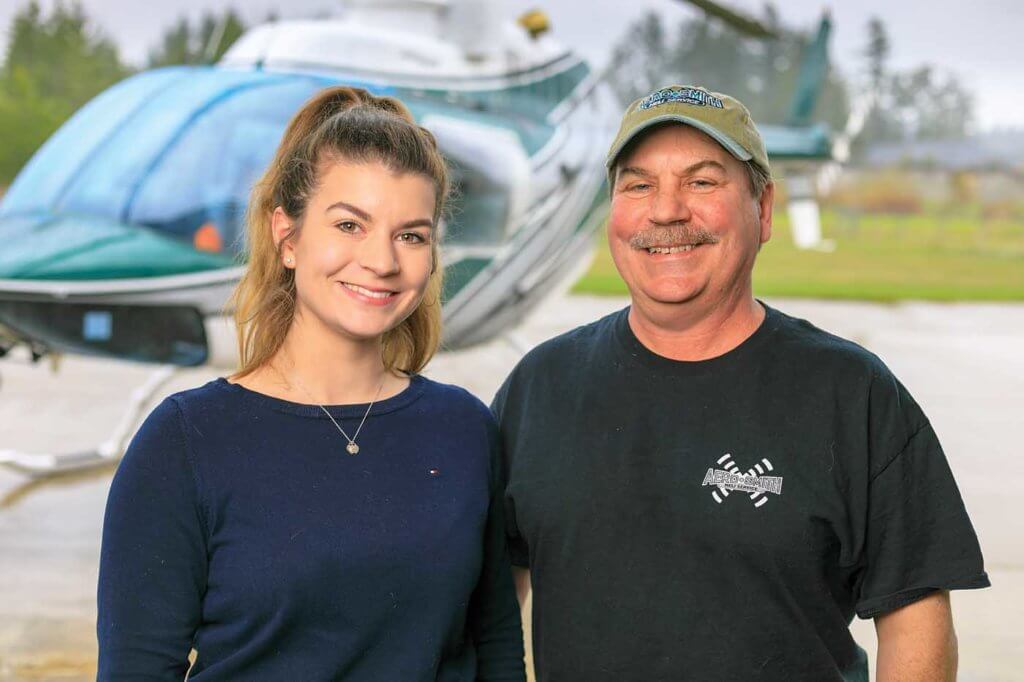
(929, 206)
(899, 135)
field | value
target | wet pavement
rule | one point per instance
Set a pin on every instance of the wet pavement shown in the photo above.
(963, 363)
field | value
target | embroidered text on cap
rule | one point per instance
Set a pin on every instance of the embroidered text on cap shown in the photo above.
(686, 96)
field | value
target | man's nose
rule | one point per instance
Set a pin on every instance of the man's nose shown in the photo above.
(377, 254)
(669, 205)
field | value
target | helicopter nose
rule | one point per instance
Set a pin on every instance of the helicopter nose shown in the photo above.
(47, 247)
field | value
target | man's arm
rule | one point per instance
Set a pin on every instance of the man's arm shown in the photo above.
(522, 578)
(916, 643)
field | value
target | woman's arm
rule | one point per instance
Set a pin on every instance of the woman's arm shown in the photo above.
(153, 557)
(494, 610)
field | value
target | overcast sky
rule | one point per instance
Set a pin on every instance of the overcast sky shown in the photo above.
(980, 40)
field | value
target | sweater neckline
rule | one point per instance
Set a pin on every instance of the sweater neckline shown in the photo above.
(408, 395)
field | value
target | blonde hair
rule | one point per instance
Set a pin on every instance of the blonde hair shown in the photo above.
(339, 123)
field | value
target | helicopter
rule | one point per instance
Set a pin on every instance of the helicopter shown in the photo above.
(123, 234)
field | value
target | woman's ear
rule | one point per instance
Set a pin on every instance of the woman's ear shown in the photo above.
(281, 230)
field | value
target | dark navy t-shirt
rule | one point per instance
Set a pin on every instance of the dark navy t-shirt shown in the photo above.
(722, 519)
(238, 525)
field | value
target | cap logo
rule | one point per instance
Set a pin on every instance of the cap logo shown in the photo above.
(692, 96)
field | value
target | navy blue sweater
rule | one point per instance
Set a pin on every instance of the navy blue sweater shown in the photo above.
(238, 525)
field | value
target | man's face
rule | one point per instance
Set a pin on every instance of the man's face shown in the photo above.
(684, 224)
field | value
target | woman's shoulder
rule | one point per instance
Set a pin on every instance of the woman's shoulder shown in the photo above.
(184, 411)
(454, 399)
(214, 394)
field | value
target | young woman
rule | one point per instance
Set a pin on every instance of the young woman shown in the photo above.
(326, 513)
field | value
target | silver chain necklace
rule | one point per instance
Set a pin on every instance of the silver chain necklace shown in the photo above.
(352, 448)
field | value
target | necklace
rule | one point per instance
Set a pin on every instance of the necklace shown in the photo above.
(352, 448)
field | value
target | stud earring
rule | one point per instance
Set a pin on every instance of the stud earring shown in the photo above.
(288, 261)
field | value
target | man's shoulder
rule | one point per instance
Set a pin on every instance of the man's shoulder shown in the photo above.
(816, 348)
(572, 344)
(553, 362)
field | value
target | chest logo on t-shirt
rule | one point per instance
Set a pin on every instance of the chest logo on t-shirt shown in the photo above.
(755, 482)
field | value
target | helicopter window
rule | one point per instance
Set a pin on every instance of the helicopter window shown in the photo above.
(480, 207)
(105, 185)
(199, 189)
(39, 185)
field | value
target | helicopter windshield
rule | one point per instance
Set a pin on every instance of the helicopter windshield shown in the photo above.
(176, 150)
(203, 180)
(43, 181)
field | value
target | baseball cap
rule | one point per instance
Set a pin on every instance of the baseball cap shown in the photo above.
(723, 118)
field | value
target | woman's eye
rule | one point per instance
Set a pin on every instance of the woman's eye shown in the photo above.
(347, 226)
(412, 238)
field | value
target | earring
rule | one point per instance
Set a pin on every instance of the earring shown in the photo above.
(288, 260)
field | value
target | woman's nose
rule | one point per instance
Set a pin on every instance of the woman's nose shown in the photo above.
(377, 254)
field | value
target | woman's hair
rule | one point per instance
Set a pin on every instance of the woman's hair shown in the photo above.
(338, 124)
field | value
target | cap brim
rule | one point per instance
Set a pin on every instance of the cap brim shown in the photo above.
(730, 144)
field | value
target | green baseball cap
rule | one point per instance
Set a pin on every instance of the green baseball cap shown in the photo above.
(725, 119)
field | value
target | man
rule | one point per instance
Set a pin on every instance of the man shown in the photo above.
(704, 488)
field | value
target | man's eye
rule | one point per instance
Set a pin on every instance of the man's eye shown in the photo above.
(702, 183)
(640, 186)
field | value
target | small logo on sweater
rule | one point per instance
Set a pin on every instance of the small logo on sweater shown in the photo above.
(755, 482)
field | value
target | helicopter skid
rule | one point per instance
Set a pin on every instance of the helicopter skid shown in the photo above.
(41, 465)
(37, 465)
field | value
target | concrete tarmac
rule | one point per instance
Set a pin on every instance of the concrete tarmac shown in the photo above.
(963, 363)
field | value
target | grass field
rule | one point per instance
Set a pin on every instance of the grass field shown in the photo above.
(877, 258)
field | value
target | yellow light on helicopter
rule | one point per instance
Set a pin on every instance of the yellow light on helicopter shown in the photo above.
(535, 22)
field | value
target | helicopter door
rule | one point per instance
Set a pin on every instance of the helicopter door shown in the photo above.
(491, 177)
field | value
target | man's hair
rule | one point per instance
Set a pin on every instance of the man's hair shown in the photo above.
(759, 178)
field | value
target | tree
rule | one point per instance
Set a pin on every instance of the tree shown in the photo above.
(705, 51)
(912, 104)
(204, 42)
(61, 54)
(877, 53)
(929, 106)
(639, 60)
(175, 46)
(53, 65)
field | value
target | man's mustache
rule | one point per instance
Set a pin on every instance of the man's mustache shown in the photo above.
(671, 235)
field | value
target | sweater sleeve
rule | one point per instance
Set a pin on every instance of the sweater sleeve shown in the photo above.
(494, 618)
(153, 556)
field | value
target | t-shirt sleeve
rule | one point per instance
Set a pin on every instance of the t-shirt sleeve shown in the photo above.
(494, 610)
(153, 557)
(918, 537)
(518, 550)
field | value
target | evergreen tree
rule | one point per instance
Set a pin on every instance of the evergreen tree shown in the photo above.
(54, 64)
(929, 106)
(877, 53)
(61, 54)
(639, 61)
(204, 42)
(705, 51)
(915, 104)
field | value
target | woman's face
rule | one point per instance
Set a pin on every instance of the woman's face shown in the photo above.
(363, 254)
